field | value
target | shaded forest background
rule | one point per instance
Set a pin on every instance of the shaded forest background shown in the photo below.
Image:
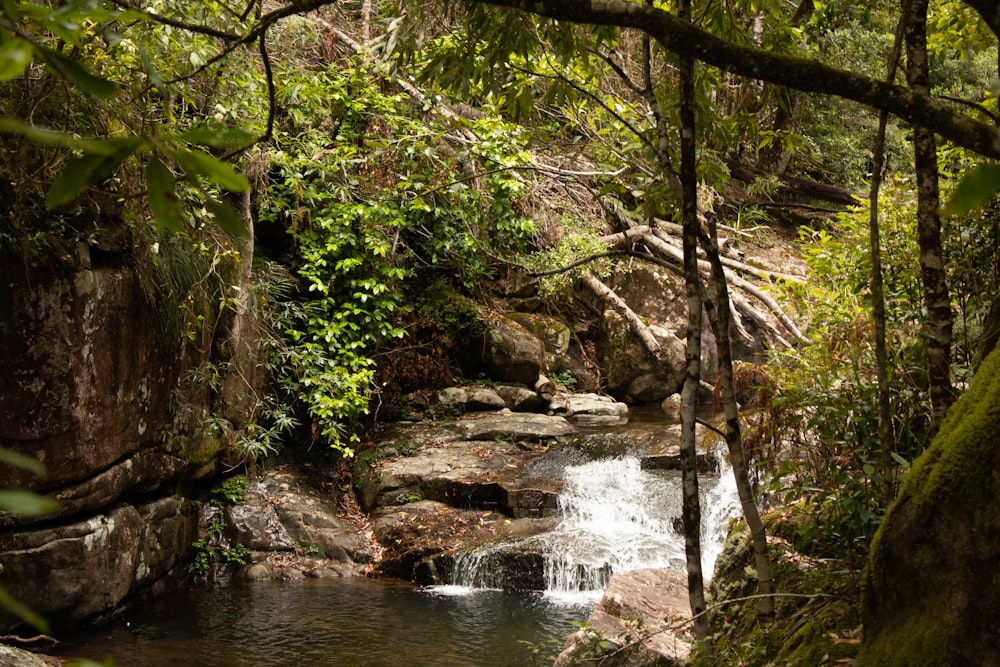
(349, 180)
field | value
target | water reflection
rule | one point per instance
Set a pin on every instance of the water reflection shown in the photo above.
(331, 623)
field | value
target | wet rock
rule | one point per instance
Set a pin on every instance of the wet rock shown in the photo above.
(644, 615)
(590, 409)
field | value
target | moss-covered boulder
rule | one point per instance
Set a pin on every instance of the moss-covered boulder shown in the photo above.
(932, 585)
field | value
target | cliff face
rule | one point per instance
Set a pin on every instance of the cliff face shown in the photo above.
(86, 388)
(931, 594)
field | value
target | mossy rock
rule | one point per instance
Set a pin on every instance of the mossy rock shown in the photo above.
(931, 586)
(816, 610)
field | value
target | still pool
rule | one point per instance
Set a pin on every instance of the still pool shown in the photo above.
(333, 623)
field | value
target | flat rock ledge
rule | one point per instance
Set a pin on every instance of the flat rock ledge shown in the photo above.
(644, 616)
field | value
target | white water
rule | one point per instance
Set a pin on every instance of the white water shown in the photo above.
(616, 517)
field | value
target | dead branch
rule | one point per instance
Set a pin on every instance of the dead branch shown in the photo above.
(608, 296)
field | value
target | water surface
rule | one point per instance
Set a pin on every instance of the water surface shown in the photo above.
(332, 623)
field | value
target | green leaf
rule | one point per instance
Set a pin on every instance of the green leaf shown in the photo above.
(977, 186)
(86, 170)
(11, 10)
(230, 221)
(216, 138)
(25, 503)
(163, 200)
(21, 461)
(903, 463)
(8, 602)
(44, 135)
(73, 71)
(15, 56)
(215, 170)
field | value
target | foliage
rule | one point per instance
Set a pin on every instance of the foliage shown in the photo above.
(233, 491)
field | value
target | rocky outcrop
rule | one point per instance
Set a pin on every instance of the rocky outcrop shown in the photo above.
(72, 572)
(92, 366)
(642, 620)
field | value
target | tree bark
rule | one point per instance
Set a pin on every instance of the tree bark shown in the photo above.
(885, 430)
(932, 269)
(691, 512)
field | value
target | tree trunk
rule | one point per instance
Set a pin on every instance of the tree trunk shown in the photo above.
(689, 394)
(936, 299)
(721, 316)
(885, 430)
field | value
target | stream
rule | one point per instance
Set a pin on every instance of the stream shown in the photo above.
(615, 517)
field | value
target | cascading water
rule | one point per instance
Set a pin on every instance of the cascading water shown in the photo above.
(617, 517)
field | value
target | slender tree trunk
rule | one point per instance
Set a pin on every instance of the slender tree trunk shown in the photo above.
(885, 430)
(721, 312)
(689, 394)
(366, 21)
(936, 298)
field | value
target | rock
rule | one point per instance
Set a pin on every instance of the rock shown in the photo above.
(931, 594)
(255, 524)
(414, 532)
(15, 657)
(483, 399)
(630, 370)
(638, 613)
(312, 521)
(87, 377)
(671, 406)
(519, 399)
(553, 333)
(590, 409)
(142, 473)
(508, 352)
(70, 573)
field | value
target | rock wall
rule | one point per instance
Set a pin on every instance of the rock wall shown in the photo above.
(86, 389)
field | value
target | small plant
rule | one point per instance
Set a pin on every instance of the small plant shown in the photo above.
(564, 379)
(233, 491)
(311, 550)
(407, 498)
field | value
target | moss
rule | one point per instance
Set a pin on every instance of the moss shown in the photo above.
(929, 588)
(816, 610)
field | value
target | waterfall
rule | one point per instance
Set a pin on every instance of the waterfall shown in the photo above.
(615, 517)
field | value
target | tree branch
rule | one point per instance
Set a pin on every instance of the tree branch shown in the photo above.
(800, 74)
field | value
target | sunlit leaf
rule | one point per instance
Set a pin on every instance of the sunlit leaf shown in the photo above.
(215, 170)
(15, 56)
(977, 186)
(162, 199)
(230, 221)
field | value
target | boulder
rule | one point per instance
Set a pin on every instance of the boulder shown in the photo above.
(644, 616)
(931, 593)
(630, 370)
(590, 409)
(508, 352)
(70, 573)
(553, 333)
(519, 399)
